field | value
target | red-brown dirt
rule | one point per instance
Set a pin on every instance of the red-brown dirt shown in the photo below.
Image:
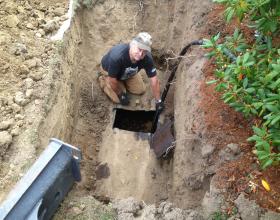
(225, 125)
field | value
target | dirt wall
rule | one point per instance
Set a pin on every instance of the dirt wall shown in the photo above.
(172, 25)
(62, 106)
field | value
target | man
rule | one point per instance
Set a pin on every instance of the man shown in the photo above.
(120, 67)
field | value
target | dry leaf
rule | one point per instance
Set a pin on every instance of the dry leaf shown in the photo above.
(266, 185)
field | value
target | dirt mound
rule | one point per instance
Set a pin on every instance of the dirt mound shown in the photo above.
(27, 71)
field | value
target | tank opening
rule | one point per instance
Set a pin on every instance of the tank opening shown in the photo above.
(137, 121)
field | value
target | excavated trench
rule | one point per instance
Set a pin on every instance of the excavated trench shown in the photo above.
(118, 163)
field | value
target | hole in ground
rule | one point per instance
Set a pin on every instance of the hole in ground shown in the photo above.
(137, 121)
(134, 169)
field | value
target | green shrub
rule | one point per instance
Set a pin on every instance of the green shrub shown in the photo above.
(248, 75)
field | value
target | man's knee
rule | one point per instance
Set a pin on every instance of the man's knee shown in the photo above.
(136, 85)
(138, 89)
(106, 88)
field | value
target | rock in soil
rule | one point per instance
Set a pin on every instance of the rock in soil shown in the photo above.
(5, 141)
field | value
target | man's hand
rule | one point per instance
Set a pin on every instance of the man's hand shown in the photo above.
(159, 106)
(123, 98)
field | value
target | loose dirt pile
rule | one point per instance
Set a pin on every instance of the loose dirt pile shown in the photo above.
(49, 89)
(28, 68)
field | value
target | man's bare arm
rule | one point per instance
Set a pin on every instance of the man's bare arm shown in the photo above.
(155, 87)
(115, 85)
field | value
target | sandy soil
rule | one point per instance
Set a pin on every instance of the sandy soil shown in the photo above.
(49, 89)
(153, 181)
(28, 65)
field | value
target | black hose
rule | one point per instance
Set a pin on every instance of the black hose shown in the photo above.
(229, 54)
(171, 77)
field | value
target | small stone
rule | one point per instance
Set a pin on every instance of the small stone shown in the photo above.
(39, 14)
(19, 99)
(27, 6)
(29, 83)
(56, 19)
(83, 206)
(234, 148)
(12, 21)
(36, 76)
(37, 101)
(31, 63)
(20, 9)
(76, 210)
(59, 11)
(19, 117)
(38, 62)
(29, 93)
(16, 108)
(38, 35)
(15, 131)
(23, 69)
(207, 150)
(5, 139)
(50, 26)
(4, 125)
(20, 123)
(42, 32)
(9, 109)
(4, 38)
(64, 17)
(30, 26)
(248, 209)
(195, 181)
(137, 102)
(270, 215)
(42, 6)
(5, 68)
(18, 49)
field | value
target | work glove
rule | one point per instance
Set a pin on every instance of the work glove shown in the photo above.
(123, 97)
(159, 106)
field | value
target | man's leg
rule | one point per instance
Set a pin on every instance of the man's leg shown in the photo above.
(106, 87)
(135, 84)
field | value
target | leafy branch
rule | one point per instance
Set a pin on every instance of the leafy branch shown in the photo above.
(248, 75)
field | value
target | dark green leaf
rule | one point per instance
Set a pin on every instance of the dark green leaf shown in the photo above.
(211, 82)
(229, 14)
(267, 163)
(246, 57)
(260, 132)
(245, 82)
(276, 119)
(216, 37)
(254, 138)
(250, 90)
(272, 108)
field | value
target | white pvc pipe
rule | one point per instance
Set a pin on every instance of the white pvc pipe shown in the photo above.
(65, 25)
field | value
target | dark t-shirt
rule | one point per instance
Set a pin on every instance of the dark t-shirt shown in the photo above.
(118, 64)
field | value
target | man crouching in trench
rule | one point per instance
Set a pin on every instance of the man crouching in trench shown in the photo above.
(120, 67)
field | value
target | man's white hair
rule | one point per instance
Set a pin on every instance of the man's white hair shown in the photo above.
(143, 40)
